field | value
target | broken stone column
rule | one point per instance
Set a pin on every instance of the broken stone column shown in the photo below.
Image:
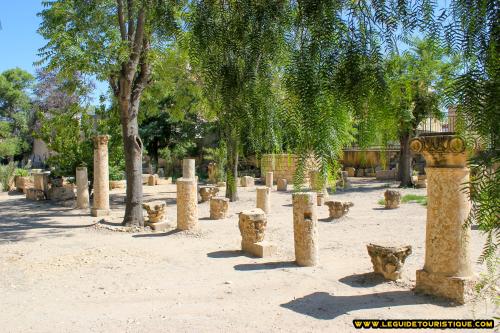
(392, 199)
(212, 173)
(219, 208)
(41, 181)
(157, 214)
(188, 168)
(207, 192)
(337, 209)
(100, 206)
(247, 181)
(447, 270)
(282, 184)
(252, 224)
(187, 204)
(269, 179)
(263, 199)
(350, 171)
(388, 260)
(320, 199)
(152, 180)
(305, 231)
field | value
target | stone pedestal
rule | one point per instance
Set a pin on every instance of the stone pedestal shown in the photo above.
(219, 208)
(212, 173)
(152, 180)
(187, 204)
(264, 199)
(247, 181)
(269, 180)
(188, 168)
(350, 171)
(157, 215)
(41, 181)
(337, 209)
(392, 199)
(207, 192)
(320, 199)
(82, 188)
(447, 270)
(34, 194)
(252, 224)
(100, 205)
(388, 260)
(282, 184)
(305, 232)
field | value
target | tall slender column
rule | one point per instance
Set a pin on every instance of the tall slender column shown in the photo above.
(100, 205)
(187, 197)
(269, 180)
(188, 168)
(263, 199)
(447, 270)
(82, 188)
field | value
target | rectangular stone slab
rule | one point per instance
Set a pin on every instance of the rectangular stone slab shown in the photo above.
(261, 249)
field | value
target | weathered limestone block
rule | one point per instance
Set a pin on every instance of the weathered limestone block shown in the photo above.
(221, 184)
(269, 180)
(247, 181)
(36, 195)
(157, 211)
(385, 174)
(145, 178)
(41, 181)
(388, 260)
(419, 181)
(207, 192)
(117, 184)
(187, 204)
(282, 184)
(82, 188)
(219, 208)
(57, 182)
(58, 194)
(320, 199)
(100, 205)
(392, 199)
(264, 199)
(188, 168)
(337, 209)
(212, 173)
(252, 224)
(22, 183)
(350, 171)
(305, 231)
(447, 270)
(164, 181)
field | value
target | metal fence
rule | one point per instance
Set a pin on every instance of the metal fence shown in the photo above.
(431, 125)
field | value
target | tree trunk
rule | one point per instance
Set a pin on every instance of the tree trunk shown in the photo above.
(405, 161)
(133, 164)
(232, 169)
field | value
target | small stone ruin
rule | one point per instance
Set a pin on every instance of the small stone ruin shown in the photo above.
(388, 260)
(247, 181)
(157, 214)
(219, 208)
(337, 209)
(207, 192)
(252, 224)
(392, 199)
(282, 184)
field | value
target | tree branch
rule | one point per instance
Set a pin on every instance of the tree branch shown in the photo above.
(137, 45)
(144, 77)
(130, 9)
(121, 20)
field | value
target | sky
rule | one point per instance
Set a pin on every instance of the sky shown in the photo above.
(19, 40)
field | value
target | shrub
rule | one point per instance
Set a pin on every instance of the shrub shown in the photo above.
(7, 176)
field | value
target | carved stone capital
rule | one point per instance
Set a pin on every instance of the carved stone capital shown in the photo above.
(441, 150)
(100, 140)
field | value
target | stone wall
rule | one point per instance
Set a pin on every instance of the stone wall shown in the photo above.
(282, 165)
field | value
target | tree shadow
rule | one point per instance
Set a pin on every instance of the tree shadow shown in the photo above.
(322, 305)
(380, 208)
(226, 254)
(157, 234)
(365, 280)
(265, 266)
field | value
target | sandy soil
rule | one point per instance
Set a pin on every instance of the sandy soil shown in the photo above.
(60, 274)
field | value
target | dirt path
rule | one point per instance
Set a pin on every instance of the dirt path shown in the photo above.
(59, 274)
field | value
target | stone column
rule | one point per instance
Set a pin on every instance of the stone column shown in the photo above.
(305, 232)
(269, 180)
(187, 204)
(41, 181)
(188, 168)
(252, 224)
(100, 205)
(447, 270)
(263, 199)
(82, 188)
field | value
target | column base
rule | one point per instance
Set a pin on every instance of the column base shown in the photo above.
(99, 212)
(261, 249)
(456, 288)
(157, 226)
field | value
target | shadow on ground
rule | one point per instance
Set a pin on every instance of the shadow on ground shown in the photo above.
(365, 280)
(265, 266)
(226, 254)
(322, 305)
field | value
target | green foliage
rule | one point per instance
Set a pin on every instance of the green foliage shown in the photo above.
(218, 156)
(16, 114)
(21, 172)
(409, 198)
(7, 176)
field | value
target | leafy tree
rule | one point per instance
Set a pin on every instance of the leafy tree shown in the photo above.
(113, 40)
(235, 45)
(16, 115)
(417, 80)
